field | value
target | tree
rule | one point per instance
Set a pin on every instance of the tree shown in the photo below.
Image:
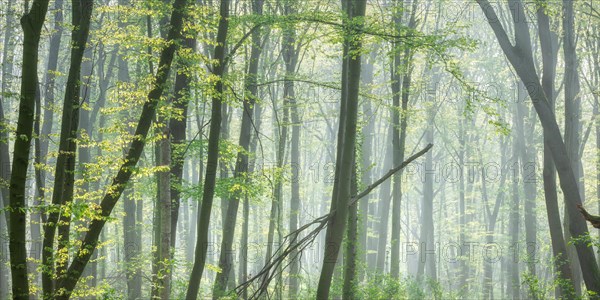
(119, 182)
(241, 167)
(354, 11)
(521, 58)
(62, 196)
(218, 69)
(31, 23)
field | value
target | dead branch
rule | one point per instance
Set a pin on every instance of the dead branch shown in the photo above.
(388, 175)
(291, 244)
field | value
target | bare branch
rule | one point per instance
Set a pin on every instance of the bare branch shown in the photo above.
(388, 175)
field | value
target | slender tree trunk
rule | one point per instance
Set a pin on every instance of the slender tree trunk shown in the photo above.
(521, 58)
(161, 285)
(31, 24)
(276, 204)
(195, 205)
(86, 124)
(213, 155)
(49, 96)
(241, 167)
(350, 260)
(243, 273)
(131, 235)
(398, 151)
(346, 145)
(528, 165)
(426, 244)
(572, 136)
(88, 244)
(5, 173)
(290, 52)
(562, 267)
(515, 284)
(178, 126)
(366, 209)
(62, 195)
(492, 218)
(384, 209)
(462, 264)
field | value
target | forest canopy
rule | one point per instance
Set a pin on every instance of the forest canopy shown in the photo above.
(345, 149)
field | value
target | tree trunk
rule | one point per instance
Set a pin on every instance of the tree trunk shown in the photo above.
(463, 286)
(521, 58)
(282, 123)
(42, 139)
(515, 283)
(350, 260)
(492, 218)
(31, 24)
(346, 144)
(366, 243)
(62, 195)
(241, 167)
(213, 155)
(290, 52)
(131, 235)
(528, 165)
(134, 152)
(562, 266)
(384, 209)
(161, 285)
(243, 273)
(398, 148)
(426, 244)
(178, 126)
(572, 136)
(5, 157)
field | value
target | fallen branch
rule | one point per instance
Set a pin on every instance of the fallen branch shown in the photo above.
(388, 175)
(291, 244)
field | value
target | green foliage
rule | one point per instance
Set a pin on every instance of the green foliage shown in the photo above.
(379, 286)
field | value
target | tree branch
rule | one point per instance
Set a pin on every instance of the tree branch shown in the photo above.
(388, 175)
(594, 220)
(499, 31)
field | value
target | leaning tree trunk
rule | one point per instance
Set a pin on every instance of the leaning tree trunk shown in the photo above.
(213, 155)
(520, 55)
(355, 10)
(31, 23)
(90, 241)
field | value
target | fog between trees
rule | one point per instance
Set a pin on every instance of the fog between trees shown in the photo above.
(252, 149)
